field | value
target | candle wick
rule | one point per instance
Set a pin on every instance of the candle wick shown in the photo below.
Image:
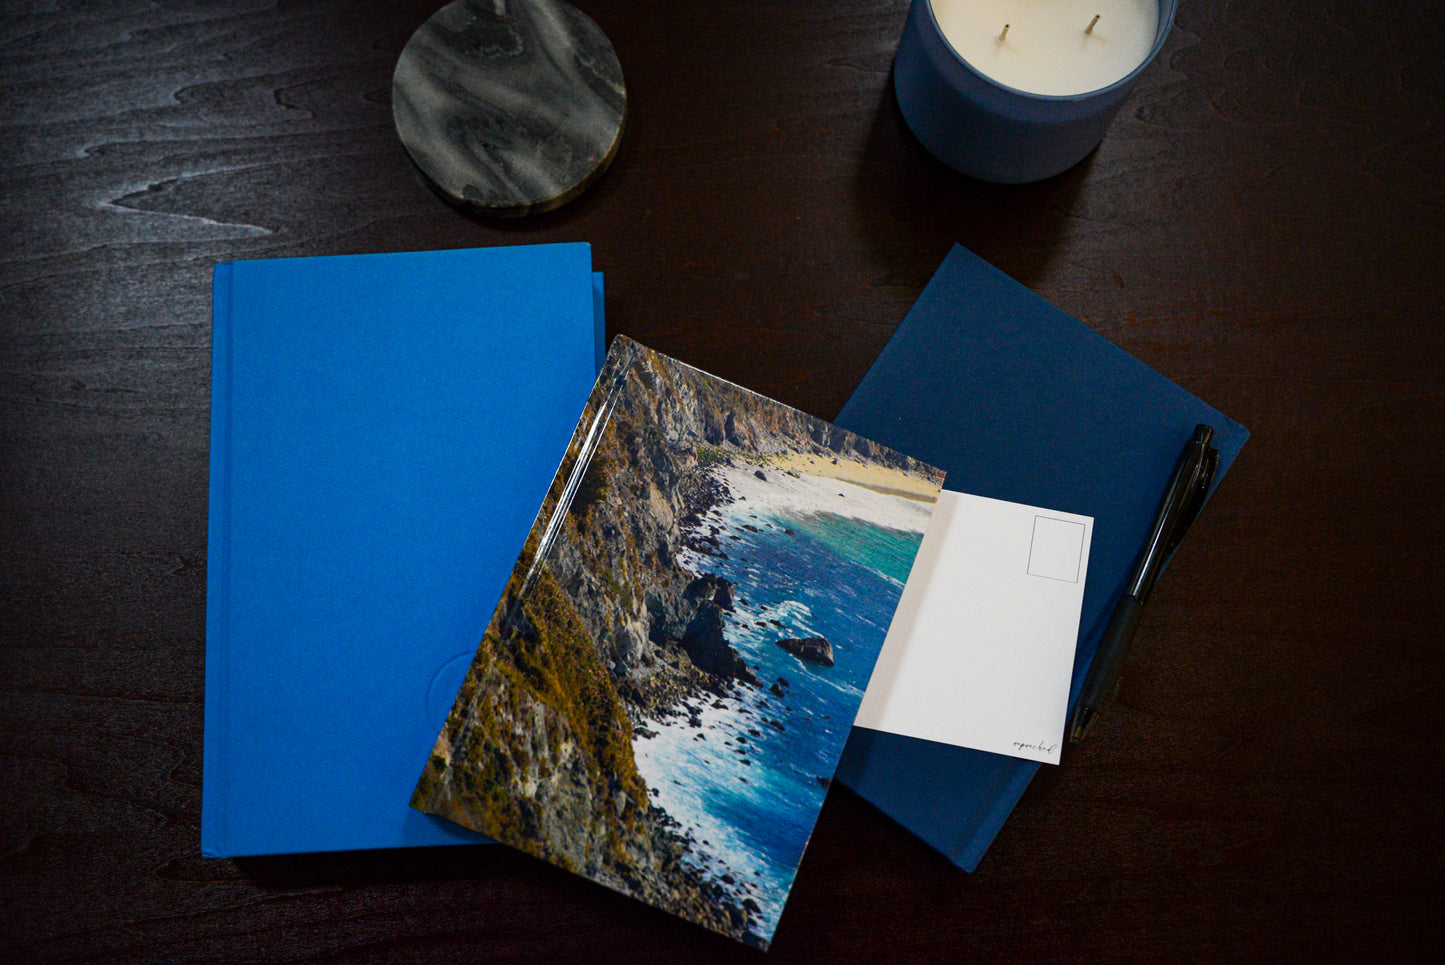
(1002, 35)
(1090, 28)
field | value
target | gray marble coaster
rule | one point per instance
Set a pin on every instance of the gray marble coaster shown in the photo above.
(509, 107)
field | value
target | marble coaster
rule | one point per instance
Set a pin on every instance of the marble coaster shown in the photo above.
(509, 107)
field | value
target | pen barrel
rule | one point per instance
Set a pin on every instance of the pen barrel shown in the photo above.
(1109, 658)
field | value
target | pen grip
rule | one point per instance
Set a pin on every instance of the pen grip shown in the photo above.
(1109, 658)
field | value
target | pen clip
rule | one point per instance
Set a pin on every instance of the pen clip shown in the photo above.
(1182, 502)
(1193, 503)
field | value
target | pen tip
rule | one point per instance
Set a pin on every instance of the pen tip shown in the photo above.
(1082, 720)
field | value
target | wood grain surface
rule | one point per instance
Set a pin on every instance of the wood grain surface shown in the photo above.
(1263, 224)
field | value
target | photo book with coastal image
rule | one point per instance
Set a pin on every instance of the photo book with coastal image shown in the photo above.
(662, 694)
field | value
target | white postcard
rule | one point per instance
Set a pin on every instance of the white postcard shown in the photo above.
(980, 652)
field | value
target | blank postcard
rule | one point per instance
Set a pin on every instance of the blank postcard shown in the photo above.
(981, 649)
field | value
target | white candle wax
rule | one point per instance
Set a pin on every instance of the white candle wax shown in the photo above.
(1049, 48)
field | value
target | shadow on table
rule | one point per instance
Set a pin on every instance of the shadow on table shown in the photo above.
(382, 866)
(913, 201)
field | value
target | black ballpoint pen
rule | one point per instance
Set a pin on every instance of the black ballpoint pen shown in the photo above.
(1182, 502)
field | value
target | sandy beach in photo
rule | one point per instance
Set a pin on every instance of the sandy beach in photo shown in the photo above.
(870, 475)
(806, 483)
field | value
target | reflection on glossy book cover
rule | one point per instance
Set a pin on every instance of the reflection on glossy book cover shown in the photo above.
(665, 688)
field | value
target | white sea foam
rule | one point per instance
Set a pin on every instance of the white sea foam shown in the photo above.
(689, 775)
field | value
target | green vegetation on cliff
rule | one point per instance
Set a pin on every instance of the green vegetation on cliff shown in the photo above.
(546, 703)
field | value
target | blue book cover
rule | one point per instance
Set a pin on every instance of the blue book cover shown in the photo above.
(1026, 404)
(383, 428)
(666, 685)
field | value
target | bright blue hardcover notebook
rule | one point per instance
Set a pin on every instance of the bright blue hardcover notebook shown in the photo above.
(383, 429)
(1015, 400)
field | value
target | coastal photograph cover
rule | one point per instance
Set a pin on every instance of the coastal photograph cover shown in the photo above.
(663, 692)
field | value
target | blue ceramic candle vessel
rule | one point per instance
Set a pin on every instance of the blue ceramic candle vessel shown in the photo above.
(988, 130)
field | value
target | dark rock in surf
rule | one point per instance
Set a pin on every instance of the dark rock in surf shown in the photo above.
(709, 650)
(813, 649)
(711, 588)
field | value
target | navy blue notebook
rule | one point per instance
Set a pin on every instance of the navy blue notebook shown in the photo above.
(1023, 403)
(383, 428)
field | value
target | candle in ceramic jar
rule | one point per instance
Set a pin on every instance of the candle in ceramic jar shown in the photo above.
(1052, 47)
(988, 123)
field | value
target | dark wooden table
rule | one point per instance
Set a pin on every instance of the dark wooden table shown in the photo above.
(1263, 224)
